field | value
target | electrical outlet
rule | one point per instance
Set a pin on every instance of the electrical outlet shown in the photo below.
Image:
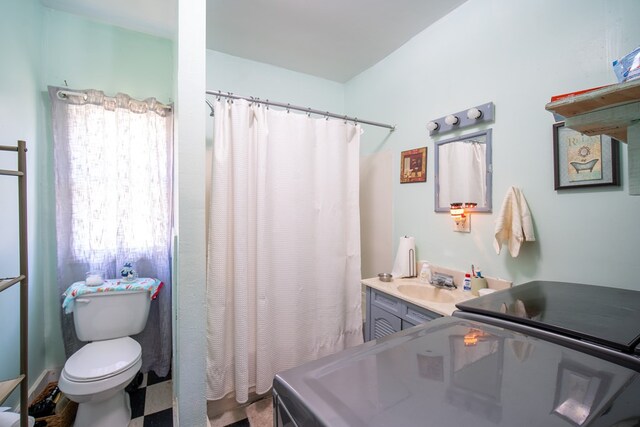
(463, 225)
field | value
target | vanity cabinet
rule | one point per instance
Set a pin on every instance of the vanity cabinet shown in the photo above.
(387, 314)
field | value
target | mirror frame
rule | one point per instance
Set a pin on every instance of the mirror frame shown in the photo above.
(463, 138)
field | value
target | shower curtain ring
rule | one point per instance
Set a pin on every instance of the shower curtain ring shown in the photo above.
(309, 112)
(288, 105)
(326, 115)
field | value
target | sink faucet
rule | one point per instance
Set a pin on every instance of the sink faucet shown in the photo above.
(442, 281)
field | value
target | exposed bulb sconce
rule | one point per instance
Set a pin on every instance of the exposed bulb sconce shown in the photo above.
(474, 113)
(460, 216)
(474, 116)
(451, 120)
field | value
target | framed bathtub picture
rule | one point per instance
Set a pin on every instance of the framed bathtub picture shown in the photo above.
(583, 161)
(413, 165)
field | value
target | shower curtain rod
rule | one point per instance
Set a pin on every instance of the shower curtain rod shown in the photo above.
(294, 107)
(64, 94)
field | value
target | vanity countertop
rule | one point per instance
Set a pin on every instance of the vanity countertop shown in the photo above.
(391, 288)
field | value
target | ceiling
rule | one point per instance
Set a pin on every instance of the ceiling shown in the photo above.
(333, 39)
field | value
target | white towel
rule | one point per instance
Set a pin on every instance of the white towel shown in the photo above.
(514, 224)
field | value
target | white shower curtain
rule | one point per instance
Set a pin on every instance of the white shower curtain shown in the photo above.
(283, 267)
(466, 181)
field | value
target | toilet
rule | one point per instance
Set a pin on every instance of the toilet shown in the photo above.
(96, 375)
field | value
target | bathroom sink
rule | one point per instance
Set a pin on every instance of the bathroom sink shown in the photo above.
(426, 292)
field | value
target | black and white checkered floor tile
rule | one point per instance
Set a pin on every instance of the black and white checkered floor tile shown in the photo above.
(241, 423)
(151, 403)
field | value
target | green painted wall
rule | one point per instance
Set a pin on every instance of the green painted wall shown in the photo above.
(48, 47)
(241, 76)
(21, 114)
(88, 54)
(91, 55)
(516, 54)
(250, 78)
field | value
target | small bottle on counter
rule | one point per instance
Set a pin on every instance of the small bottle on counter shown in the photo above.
(467, 282)
(425, 273)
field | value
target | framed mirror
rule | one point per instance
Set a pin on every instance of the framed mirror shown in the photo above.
(463, 171)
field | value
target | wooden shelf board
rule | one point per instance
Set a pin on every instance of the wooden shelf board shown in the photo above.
(612, 110)
(7, 283)
(612, 121)
(606, 97)
(6, 387)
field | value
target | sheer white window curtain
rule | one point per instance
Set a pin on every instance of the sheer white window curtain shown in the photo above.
(113, 172)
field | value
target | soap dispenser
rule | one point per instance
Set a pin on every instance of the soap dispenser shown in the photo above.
(425, 273)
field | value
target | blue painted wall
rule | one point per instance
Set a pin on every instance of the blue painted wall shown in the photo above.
(47, 47)
(516, 54)
(229, 73)
(91, 55)
(88, 54)
(21, 114)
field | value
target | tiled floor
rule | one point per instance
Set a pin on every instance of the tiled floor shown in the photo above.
(151, 403)
(241, 423)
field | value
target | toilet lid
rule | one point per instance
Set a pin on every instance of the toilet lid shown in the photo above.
(102, 359)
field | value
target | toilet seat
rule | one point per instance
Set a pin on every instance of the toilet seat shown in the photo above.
(102, 359)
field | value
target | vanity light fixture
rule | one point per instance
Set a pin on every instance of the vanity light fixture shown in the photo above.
(451, 120)
(460, 214)
(474, 116)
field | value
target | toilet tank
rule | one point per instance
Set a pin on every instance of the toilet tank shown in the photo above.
(107, 315)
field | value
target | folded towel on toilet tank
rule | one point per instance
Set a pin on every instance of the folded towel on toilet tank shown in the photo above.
(110, 285)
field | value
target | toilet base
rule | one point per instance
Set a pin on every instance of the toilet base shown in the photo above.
(112, 412)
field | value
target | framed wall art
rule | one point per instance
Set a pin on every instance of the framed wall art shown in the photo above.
(413, 165)
(583, 161)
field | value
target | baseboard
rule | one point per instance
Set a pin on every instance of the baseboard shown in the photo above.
(45, 377)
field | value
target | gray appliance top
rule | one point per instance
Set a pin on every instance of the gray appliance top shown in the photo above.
(602, 315)
(455, 372)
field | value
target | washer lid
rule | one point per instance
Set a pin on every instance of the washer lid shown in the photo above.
(603, 315)
(102, 359)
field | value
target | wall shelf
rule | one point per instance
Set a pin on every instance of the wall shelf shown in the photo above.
(612, 110)
(7, 283)
(8, 386)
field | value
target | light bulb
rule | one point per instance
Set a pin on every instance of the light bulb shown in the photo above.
(451, 120)
(432, 126)
(474, 113)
